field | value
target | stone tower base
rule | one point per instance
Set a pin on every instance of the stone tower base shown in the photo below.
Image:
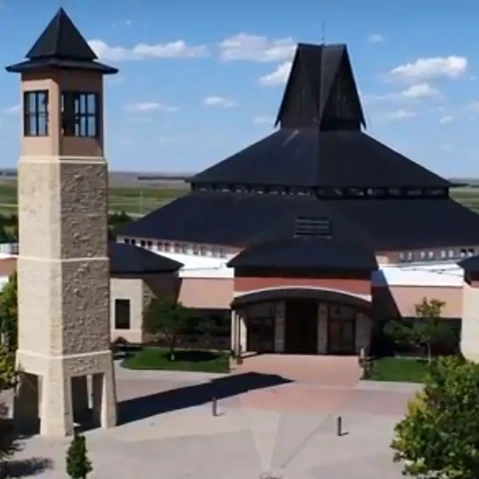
(55, 390)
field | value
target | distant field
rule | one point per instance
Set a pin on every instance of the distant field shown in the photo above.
(139, 200)
(136, 201)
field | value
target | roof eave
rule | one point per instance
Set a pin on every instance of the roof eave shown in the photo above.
(31, 66)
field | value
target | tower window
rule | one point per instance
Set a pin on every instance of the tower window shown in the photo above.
(35, 108)
(80, 114)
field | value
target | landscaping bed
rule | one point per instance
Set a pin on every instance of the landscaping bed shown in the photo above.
(411, 370)
(185, 360)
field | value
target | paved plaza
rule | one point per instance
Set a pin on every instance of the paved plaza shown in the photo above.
(265, 423)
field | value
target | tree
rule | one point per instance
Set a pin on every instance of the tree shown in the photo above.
(439, 437)
(8, 441)
(78, 464)
(427, 330)
(431, 329)
(166, 318)
(7, 367)
(9, 312)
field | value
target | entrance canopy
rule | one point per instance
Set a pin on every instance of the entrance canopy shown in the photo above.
(362, 301)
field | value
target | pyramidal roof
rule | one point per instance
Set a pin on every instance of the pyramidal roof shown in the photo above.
(61, 39)
(321, 90)
(61, 45)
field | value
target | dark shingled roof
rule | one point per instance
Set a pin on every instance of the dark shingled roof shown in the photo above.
(133, 260)
(316, 72)
(470, 265)
(245, 219)
(305, 254)
(61, 45)
(308, 157)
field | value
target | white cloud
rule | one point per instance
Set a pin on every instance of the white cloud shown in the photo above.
(375, 38)
(256, 48)
(420, 90)
(149, 107)
(400, 115)
(266, 119)
(11, 110)
(277, 77)
(145, 51)
(427, 68)
(219, 102)
(417, 91)
(445, 119)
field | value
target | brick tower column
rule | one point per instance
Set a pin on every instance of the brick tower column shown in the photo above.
(63, 264)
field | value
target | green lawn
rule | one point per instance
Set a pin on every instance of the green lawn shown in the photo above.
(398, 370)
(186, 360)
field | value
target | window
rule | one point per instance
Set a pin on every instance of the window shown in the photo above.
(450, 254)
(436, 192)
(159, 246)
(133, 241)
(463, 253)
(413, 192)
(184, 249)
(166, 247)
(177, 248)
(35, 113)
(222, 253)
(431, 255)
(126, 240)
(203, 250)
(196, 249)
(402, 257)
(122, 314)
(142, 243)
(443, 254)
(354, 192)
(313, 227)
(422, 255)
(410, 256)
(149, 244)
(470, 252)
(80, 114)
(394, 192)
(376, 192)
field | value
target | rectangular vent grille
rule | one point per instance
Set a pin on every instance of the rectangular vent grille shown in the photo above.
(313, 227)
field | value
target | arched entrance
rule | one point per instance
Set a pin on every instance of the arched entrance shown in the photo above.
(301, 320)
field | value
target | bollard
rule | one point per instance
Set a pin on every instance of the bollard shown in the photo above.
(214, 407)
(339, 428)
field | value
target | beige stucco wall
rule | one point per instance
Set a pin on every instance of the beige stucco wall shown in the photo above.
(470, 323)
(140, 292)
(206, 292)
(406, 297)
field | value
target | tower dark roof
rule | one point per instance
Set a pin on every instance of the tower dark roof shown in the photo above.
(321, 90)
(61, 45)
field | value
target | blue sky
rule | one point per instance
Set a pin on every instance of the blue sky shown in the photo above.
(201, 80)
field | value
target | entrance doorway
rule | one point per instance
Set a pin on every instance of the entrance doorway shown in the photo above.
(341, 336)
(260, 334)
(301, 326)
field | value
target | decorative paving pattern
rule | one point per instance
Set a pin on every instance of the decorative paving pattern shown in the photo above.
(264, 426)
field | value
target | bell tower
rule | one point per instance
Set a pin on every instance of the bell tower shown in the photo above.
(63, 264)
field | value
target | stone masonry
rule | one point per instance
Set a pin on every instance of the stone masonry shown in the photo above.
(64, 359)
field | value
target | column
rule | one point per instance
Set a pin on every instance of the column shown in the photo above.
(279, 327)
(56, 406)
(104, 399)
(322, 328)
(363, 332)
(243, 331)
(26, 401)
(80, 396)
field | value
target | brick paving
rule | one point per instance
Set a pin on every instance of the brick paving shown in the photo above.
(265, 423)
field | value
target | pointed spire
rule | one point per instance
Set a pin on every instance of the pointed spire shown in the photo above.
(61, 39)
(321, 90)
(61, 45)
